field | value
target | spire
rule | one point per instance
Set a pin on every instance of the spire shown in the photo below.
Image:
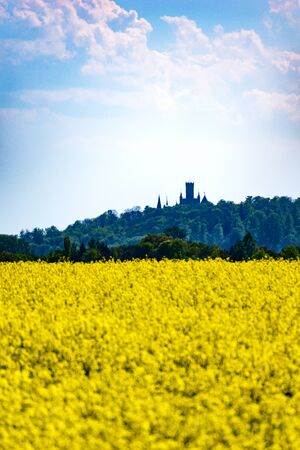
(167, 202)
(158, 203)
(204, 200)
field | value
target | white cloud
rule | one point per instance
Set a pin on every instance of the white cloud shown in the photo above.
(226, 56)
(206, 73)
(287, 61)
(284, 7)
(60, 24)
(19, 50)
(47, 21)
(270, 102)
(139, 98)
(188, 33)
(289, 9)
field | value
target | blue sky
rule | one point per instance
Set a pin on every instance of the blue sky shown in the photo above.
(105, 105)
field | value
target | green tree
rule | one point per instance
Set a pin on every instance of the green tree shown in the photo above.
(67, 247)
(91, 254)
(172, 249)
(175, 232)
(260, 254)
(38, 236)
(244, 249)
(290, 252)
(82, 250)
(13, 244)
(218, 234)
(250, 245)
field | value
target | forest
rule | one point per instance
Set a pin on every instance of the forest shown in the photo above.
(274, 224)
(198, 231)
(171, 244)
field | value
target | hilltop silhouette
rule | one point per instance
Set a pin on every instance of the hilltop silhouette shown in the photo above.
(274, 223)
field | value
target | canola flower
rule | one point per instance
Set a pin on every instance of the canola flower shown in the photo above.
(150, 355)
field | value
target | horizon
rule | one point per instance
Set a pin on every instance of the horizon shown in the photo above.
(142, 209)
(109, 104)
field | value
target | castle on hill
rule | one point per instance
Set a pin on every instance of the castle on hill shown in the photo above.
(189, 198)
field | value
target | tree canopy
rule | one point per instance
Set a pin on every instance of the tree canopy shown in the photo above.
(273, 223)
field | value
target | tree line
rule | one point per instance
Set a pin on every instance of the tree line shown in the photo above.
(274, 223)
(171, 244)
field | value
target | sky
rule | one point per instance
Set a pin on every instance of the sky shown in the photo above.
(105, 105)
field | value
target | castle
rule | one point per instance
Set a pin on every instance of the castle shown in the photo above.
(189, 197)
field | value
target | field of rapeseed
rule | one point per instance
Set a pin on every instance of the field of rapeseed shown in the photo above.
(148, 355)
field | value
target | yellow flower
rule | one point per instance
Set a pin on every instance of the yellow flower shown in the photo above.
(150, 355)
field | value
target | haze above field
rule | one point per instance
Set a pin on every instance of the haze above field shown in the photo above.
(106, 105)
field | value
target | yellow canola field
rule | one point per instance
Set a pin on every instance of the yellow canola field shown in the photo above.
(150, 355)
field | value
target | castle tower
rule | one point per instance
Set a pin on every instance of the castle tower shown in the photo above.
(189, 195)
(189, 192)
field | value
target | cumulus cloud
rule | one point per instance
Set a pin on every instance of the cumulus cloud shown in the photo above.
(200, 71)
(217, 66)
(188, 33)
(62, 25)
(287, 61)
(48, 24)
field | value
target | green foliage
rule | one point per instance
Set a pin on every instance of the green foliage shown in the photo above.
(11, 257)
(273, 223)
(162, 246)
(290, 252)
(260, 253)
(13, 244)
(92, 254)
(175, 232)
(157, 246)
(67, 247)
(244, 249)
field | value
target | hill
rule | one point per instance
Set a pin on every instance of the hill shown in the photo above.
(274, 223)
